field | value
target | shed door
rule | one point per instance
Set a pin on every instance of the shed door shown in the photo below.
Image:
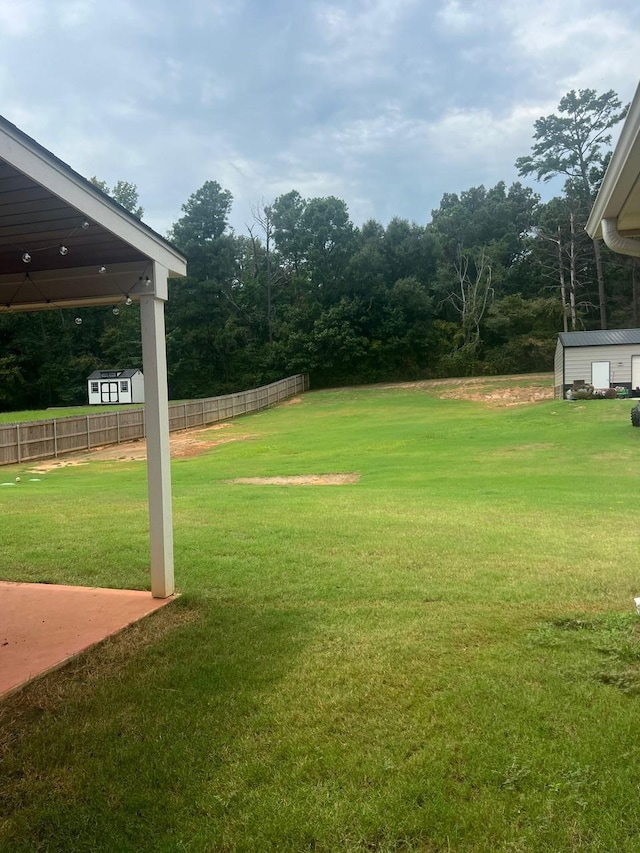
(635, 371)
(600, 374)
(108, 392)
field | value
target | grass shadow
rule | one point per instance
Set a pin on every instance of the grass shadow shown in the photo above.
(169, 700)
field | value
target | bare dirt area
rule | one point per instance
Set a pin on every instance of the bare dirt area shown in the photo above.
(191, 442)
(299, 480)
(495, 390)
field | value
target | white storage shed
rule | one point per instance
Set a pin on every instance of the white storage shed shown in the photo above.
(106, 387)
(605, 359)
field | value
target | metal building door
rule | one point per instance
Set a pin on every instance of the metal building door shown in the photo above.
(600, 374)
(635, 371)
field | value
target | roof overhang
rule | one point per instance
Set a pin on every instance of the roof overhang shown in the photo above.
(108, 254)
(619, 197)
(64, 243)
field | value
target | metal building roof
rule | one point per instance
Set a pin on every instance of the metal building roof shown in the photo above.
(600, 338)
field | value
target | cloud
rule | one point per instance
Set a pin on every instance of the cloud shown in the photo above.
(575, 44)
(357, 36)
(481, 137)
(22, 20)
(75, 13)
(456, 18)
(385, 104)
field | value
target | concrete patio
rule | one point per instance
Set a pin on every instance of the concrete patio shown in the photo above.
(42, 626)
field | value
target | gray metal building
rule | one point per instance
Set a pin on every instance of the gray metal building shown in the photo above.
(604, 359)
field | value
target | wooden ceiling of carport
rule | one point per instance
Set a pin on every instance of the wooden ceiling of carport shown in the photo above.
(34, 220)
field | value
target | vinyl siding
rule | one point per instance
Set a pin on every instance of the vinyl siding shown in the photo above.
(577, 362)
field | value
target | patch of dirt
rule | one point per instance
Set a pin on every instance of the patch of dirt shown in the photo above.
(514, 391)
(183, 445)
(299, 480)
(503, 397)
(523, 448)
(292, 401)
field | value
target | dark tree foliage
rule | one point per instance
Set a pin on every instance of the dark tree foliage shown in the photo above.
(484, 287)
(125, 193)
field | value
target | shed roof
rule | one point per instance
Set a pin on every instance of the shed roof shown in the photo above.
(114, 374)
(600, 338)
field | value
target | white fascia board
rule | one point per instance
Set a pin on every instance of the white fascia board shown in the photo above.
(621, 175)
(66, 185)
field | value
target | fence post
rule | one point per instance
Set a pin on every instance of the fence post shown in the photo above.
(202, 411)
(55, 438)
(118, 424)
(18, 448)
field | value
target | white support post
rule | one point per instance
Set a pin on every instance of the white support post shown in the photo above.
(157, 428)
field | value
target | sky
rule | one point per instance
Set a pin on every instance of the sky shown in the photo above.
(387, 104)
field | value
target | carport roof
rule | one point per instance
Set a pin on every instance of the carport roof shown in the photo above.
(44, 206)
(598, 338)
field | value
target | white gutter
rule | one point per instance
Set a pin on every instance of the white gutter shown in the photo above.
(616, 242)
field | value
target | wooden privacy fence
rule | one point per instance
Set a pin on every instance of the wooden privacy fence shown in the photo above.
(22, 442)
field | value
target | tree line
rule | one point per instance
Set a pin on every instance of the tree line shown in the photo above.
(482, 288)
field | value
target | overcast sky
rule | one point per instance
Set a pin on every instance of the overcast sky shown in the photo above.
(387, 104)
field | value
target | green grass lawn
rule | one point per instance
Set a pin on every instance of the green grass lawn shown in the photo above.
(62, 412)
(444, 656)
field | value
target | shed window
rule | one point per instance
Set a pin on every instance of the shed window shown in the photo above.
(95, 388)
(124, 387)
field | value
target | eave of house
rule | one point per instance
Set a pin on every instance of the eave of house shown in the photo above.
(619, 195)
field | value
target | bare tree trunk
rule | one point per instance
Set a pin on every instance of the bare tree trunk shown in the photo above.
(572, 272)
(268, 232)
(601, 294)
(263, 215)
(563, 287)
(474, 297)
